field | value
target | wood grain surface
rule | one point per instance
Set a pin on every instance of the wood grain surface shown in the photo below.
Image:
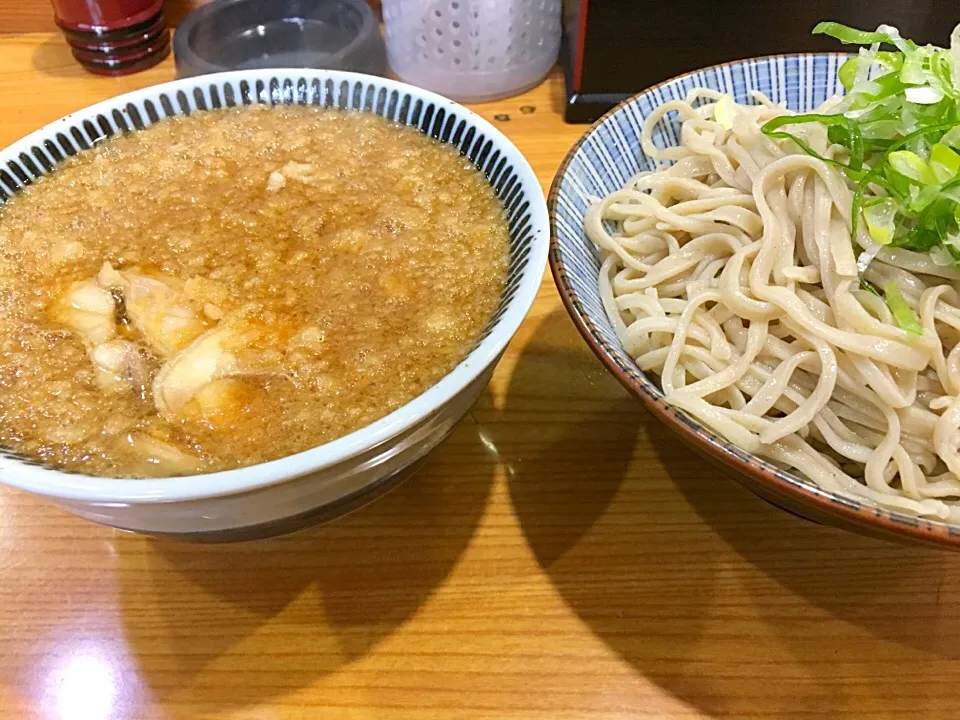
(25, 16)
(560, 557)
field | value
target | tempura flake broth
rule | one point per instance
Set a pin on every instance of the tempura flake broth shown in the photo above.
(236, 286)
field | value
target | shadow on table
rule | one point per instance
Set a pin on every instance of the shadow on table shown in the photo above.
(699, 584)
(235, 625)
(52, 57)
(843, 614)
(583, 428)
(893, 592)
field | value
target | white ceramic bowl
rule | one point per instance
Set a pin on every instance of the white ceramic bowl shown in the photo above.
(326, 481)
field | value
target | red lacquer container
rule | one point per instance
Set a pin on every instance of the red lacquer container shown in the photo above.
(114, 37)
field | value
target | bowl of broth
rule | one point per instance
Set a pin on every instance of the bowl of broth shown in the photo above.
(238, 305)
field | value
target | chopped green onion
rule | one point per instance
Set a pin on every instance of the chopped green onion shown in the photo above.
(771, 128)
(847, 74)
(851, 36)
(879, 217)
(924, 95)
(951, 138)
(899, 126)
(923, 198)
(869, 287)
(857, 204)
(887, 85)
(941, 67)
(890, 60)
(723, 112)
(923, 132)
(955, 57)
(900, 309)
(944, 162)
(913, 71)
(911, 165)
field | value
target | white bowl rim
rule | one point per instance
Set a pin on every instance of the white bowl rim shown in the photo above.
(88, 488)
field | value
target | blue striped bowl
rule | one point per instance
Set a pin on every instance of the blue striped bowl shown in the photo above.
(604, 159)
(323, 482)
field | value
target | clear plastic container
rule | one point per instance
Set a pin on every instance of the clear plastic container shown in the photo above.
(472, 50)
(248, 34)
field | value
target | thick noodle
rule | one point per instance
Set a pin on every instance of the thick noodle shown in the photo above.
(729, 272)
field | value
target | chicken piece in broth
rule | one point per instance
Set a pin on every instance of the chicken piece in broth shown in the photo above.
(157, 306)
(119, 365)
(87, 309)
(211, 380)
(159, 458)
(205, 361)
(201, 379)
(91, 312)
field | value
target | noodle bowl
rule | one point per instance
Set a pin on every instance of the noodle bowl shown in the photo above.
(729, 272)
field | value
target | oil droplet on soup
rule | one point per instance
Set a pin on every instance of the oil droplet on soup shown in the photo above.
(236, 286)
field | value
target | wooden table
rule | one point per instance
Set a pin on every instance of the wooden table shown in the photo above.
(560, 556)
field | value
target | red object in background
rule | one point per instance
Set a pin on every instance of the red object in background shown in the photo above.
(114, 37)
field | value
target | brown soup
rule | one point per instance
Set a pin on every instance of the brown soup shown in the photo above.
(236, 286)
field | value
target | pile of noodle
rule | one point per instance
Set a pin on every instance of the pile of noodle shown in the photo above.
(731, 275)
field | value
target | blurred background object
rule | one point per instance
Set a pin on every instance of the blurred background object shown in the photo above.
(114, 37)
(615, 48)
(472, 50)
(25, 17)
(246, 34)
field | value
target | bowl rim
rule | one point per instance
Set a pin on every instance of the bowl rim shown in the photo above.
(88, 488)
(781, 482)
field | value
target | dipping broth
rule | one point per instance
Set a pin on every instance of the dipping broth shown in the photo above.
(236, 286)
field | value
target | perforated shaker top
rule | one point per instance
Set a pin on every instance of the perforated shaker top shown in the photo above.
(472, 49)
